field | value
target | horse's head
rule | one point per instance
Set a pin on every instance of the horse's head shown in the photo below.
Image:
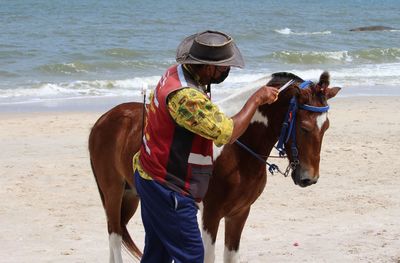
(303, 138)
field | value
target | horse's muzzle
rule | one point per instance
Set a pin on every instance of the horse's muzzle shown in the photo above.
(303, 178)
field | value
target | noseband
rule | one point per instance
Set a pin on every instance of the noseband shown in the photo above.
(288, 131)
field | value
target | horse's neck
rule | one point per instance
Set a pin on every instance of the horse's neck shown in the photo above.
(263, 133)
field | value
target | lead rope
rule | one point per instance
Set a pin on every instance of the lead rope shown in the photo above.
(272, 168)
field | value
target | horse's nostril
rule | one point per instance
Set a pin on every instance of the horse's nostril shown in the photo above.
(305, 182)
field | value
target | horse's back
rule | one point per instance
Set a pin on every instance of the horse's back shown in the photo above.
(113, 141)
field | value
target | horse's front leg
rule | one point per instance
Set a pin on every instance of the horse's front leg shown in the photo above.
(211, 219)
(233, 231)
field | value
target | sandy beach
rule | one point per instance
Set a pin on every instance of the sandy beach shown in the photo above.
(51, 211)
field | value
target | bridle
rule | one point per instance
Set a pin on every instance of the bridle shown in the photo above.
(288, 131)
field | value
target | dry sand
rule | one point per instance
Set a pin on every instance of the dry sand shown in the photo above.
(50, 209)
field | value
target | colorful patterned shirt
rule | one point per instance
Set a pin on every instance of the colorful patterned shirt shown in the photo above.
(194, 111)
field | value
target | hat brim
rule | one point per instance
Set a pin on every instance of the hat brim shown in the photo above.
(183, 56)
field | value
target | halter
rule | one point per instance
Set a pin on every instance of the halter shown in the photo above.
(288, 131)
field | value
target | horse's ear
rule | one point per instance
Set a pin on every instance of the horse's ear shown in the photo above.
(324, 80)
(322, 84)
(331, 92)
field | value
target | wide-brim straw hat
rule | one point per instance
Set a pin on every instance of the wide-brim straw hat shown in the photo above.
(211, 48)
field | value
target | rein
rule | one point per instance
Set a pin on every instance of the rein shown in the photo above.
(272, 168)
(288, 131)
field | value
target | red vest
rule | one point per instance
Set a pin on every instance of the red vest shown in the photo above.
(171, 154)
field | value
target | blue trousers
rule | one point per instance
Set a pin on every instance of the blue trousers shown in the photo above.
(170, 223)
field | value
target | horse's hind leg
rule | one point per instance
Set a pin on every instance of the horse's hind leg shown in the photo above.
(130, 202)
(112, 205)
(233, 231)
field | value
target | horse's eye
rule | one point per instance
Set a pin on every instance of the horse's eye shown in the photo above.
(306, 126)
(304, 129)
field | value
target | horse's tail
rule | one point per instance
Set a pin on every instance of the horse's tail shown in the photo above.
(129, 244)
(97, 183)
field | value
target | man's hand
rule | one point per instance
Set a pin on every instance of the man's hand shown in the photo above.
(266, 94)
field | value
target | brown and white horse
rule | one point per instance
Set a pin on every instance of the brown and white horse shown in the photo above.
(239, 176)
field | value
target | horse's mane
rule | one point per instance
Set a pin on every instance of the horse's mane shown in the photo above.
(235, 101)
(283, 77)
(231, 104)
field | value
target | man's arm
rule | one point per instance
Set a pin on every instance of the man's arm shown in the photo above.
(242, 119)
(192, 110)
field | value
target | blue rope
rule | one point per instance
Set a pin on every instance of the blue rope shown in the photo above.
(287, 127)
(314, 108)
(305, 84)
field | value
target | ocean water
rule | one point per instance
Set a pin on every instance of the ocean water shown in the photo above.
(57, 51)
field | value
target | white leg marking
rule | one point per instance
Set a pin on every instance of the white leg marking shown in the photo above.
(209, 248)
(231, 256)
(115, 242)
(200, 206)
(321, 119)
(258, 117)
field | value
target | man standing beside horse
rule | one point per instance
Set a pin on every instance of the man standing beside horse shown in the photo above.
(174, 164)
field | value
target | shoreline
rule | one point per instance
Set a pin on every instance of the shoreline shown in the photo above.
(101, 105)
(98, 104)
